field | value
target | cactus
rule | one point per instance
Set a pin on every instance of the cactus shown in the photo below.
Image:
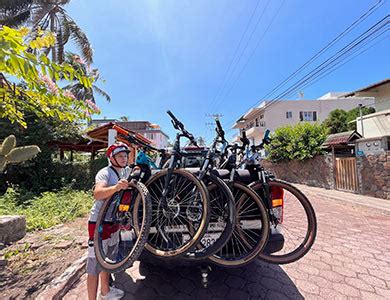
(8, 144)
(10, 154)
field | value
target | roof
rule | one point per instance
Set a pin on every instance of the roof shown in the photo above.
(83, 145)
(342, 138)
(368, 88)
(101, 133)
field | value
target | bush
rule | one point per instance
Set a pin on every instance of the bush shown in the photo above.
(302, 141)
(48, 209)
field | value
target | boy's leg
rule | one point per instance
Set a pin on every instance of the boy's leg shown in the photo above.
(92, 286)
(104, 282)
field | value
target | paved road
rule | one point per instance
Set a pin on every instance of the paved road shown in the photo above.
(350, 260)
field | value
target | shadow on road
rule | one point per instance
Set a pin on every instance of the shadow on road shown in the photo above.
(257, 280)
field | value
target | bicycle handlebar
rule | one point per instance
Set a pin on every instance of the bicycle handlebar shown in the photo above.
(134, 140)
(180, 126)
(219, 129)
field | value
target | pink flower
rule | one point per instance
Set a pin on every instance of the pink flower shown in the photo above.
(69, 94)
(92, 106)
(50, 84)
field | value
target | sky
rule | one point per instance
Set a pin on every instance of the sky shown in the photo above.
(198, 58)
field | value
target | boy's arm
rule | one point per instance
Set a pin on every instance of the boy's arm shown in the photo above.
(102, 191)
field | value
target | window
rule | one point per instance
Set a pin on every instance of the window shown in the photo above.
(288, 114)
(257, 122)
(308, 116)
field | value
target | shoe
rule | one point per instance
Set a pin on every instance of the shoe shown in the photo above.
(117, 291)
(113, 294)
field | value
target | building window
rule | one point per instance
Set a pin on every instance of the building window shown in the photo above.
(288, 114)
(257, 122)
(308, 116)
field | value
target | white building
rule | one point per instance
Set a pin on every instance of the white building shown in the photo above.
(151, 131)
(271, 115)
(376, 124)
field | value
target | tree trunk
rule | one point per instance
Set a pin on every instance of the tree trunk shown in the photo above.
(53, 48)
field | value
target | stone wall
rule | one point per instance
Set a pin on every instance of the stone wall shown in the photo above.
(314, 172)
(374, 174)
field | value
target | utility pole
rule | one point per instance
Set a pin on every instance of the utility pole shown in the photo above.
(361, 118)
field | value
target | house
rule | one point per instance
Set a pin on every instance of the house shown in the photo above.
(150, 131)
(271, 115)
(380, 91)
(376, 124)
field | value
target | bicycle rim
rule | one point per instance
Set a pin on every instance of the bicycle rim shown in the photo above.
(222, 218)
(251, 229)
(296, 223)
(178, 228)
(116, 221)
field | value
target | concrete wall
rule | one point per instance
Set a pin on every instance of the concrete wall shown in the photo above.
(374, 125)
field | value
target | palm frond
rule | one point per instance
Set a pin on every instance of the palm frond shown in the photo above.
(14, 12)
(14, 20)
(81, 39)
(101, 93)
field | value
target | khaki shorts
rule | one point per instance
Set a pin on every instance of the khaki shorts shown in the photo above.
(110, 246)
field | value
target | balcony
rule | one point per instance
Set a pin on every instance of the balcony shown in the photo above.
(256, 131)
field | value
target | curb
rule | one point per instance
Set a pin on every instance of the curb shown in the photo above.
(59, 286)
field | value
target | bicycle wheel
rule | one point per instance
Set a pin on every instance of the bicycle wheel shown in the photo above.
(251, 229)
(293, 217)
(117, 245)
(178, 227)
(222, 218)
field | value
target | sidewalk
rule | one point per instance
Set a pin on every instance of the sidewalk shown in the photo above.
(368, 201)
(345, 261)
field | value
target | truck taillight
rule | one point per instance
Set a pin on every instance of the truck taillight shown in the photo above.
(277, 194)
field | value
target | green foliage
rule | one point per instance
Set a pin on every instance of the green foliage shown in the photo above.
(337, 121)
(354, 113)
(340, 120)
(44, 173)
(48, 209)
(36, 91)
(302, 141)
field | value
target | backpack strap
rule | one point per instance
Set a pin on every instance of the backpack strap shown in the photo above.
(116, 172)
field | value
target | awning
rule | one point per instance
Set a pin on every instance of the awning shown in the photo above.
(342, 138)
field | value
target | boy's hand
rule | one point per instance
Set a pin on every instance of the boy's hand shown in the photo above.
(121, 185)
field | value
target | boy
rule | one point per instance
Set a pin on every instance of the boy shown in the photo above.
(108, 180)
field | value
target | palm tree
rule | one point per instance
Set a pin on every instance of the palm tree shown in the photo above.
(50, 15)
(80, 91)
(14, 12)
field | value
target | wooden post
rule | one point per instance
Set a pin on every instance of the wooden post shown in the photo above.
(334, 166)
(71, 155)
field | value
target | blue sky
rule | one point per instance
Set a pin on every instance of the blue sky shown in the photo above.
(159, 55)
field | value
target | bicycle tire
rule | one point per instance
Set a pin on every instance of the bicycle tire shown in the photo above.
(222, 210)
(157, 235)
(227, 257)
(144, 213)
(311, 232)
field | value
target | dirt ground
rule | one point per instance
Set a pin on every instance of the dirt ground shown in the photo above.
(40, 257)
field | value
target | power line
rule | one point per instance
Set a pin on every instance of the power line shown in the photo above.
(236, 51)
(331, 61)
(243, 50)
(252, 53)
(327, 46)
(348, 29)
